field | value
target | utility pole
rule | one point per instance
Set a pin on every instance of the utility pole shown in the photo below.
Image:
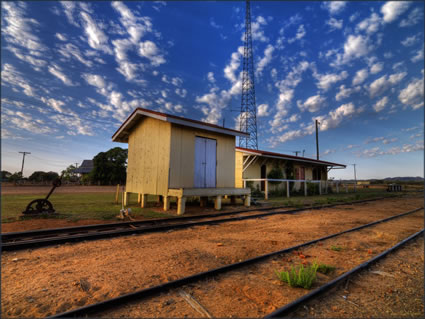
(355, 177)
(317, 139)
(23, 160)
(296, 152)
(303, 152)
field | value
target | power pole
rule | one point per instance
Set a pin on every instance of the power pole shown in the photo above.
(317, 139)
(303, 152)
(296, 152)
(23, 160)
(248, 115)
(355, 177)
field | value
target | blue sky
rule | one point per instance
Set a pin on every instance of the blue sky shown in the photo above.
(73, 71)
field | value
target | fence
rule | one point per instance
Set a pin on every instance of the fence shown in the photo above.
(321, 183)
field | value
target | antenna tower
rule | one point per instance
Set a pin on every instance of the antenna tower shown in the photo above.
(248, 116)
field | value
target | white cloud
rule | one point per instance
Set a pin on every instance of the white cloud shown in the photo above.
(10, 76)
(356, 47)
(334, 24)
(214, 24)
(96, 38)
(391, 10)
(413, 94)
(70, 50)
(360, 76)
(61, 36)
(18, 29)
(334, 7)
(69, 7)
(409, 41)
(419, 55)
(384, 82)
(299, 35)
(325, 81)
(176, 81)
(211, 77)
(35, 62)
(371, 24)
(235, 61)
(332, 120)
(262, 110)
(346, 92)
(286, 94)
(265, 60)
(181, 92)
(149, 50)
(54, 104)
(414, 17)
(380, 105)
(376, 68)
(406, 148)
(257, 32)
(57, 71)
(312, 104)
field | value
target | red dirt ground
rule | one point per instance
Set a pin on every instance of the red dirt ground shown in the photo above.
(45, 281)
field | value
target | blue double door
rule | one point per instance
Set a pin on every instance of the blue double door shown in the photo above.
(205, 162)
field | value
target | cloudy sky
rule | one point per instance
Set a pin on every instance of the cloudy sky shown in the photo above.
(73, 71)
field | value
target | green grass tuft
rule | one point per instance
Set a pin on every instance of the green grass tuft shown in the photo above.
(336, 248)
(299, 276)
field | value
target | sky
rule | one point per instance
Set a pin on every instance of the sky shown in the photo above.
(72, 72)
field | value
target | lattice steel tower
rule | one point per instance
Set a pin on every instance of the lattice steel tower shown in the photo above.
(248, 116)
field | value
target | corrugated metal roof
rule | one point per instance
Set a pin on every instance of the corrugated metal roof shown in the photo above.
(121, 135)
(288, 157)
(85, 167)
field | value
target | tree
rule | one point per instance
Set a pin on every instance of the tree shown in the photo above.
(110, 167)
(40, 176)
(68, 173)
(5, 175)
(17, 176)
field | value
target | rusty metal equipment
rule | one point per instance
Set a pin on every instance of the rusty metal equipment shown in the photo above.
(43, 205)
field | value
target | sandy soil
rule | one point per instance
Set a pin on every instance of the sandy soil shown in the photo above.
(49, 280)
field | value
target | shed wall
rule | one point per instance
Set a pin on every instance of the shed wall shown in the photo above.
(182, 159)
(149, 157)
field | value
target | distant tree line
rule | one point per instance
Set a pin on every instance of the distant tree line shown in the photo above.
(109, 168)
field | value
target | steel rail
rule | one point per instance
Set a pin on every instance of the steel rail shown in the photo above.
(147, 292)
(285, 310)
(13, 241)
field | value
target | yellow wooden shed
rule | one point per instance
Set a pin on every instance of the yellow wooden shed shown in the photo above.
(174, 156)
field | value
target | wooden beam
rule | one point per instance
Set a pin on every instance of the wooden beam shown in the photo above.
(181, 205)
(144, 200)
(166, 203)
(217, 202)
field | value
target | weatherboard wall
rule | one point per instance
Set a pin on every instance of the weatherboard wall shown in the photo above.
(149, 157)
(182, 157)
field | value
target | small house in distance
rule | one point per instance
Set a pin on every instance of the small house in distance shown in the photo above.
(172, 156)
(85, 168)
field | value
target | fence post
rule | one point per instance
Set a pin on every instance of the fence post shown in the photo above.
(266, 189)
(320, 187)
(244, 184)
(305, 188)
(287, 189)
(117, 193)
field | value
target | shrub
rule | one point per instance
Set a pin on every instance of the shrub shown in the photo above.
(275, 173)
(299, 276)
(313, 188)
(336, 248)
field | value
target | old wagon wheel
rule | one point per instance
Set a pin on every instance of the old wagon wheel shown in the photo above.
(39, 206)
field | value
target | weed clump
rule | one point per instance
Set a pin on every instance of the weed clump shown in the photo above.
(336, 248)
(299, 276)
(325, 269)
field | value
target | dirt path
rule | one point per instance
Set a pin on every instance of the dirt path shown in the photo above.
(49, 280)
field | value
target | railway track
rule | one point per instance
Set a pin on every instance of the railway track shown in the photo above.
(37, 238)
(154, 291)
